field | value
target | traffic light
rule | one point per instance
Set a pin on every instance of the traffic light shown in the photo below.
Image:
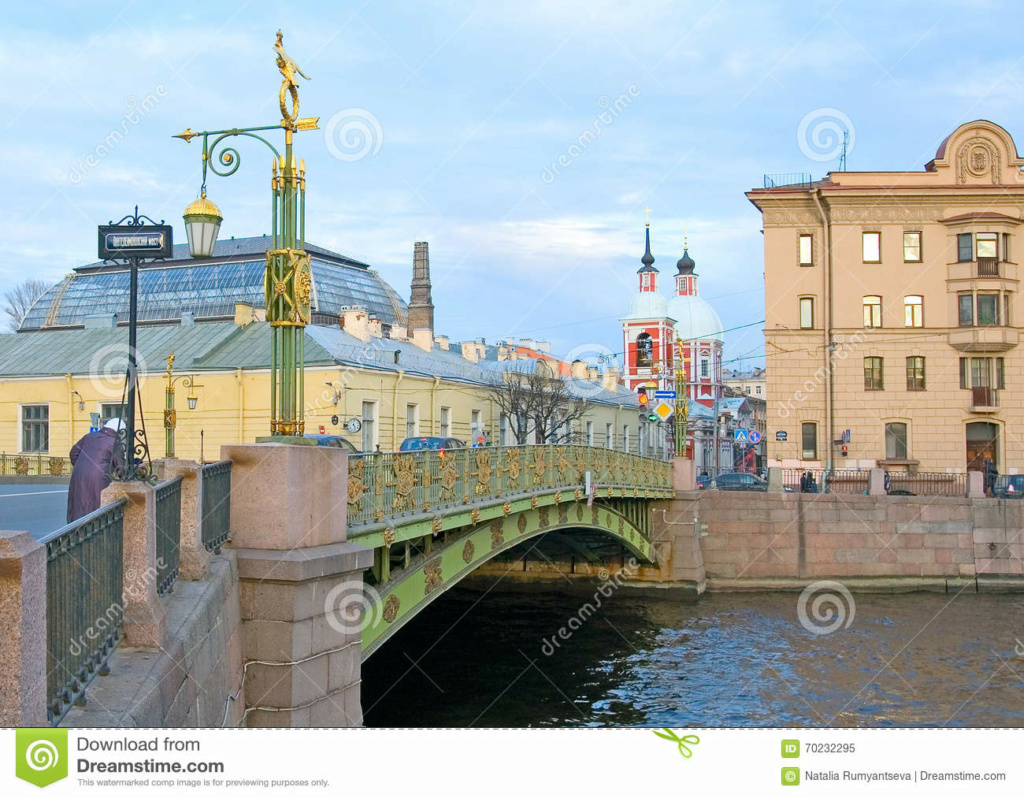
(845, 450)
(652, 416)
(644, 399)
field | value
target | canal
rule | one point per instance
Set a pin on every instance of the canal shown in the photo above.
(491, 659)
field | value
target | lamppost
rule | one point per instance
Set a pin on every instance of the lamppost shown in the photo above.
(682, 408)
(170, 414)
(287, 282)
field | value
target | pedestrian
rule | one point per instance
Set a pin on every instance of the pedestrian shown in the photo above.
(887, 482)
(805, 482)
(990, 475)
(90, 472)
(812, 483)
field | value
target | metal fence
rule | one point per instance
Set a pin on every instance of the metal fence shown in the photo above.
(168, 534)
(34, 465)
(216, 491)
(927, 484)
(84, 607)
(839, 480)
(395, 483)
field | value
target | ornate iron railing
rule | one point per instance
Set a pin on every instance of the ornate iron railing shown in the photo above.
(406, 483)
(84, 607)
(216, 491)
(34, 465)
(168, 533)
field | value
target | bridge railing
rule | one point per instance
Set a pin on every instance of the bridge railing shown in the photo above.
(34, 465)
(216, 501)
(398, 483)
(84, 608)
(168, 533)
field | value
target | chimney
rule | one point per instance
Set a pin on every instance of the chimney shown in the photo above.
(611, 378)
(243, 314)
(421, 306)
(375, 327)
(443, 342)
(470, 352)
(400, 333)
(423, 339)
(355, 322)
(579, 369)
(593, 374)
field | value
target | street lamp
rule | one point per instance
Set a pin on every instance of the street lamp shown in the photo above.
(288, 284)
(170, 414)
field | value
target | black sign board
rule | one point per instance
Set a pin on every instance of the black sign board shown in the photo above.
(780, 435)
(125, 241)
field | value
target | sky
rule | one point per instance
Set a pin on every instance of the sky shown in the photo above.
(522, 140)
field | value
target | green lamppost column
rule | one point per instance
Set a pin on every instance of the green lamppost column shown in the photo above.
(288, 285)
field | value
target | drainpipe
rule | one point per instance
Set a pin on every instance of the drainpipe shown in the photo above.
(394, 411)
(71, 410)
(241, 403)
(433, 407)
(830, 421)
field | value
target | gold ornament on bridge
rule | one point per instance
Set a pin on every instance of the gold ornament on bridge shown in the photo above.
(512, 467)
(540, 465)
(355, 484)
(467, 552)
(432, 576)
(289, 87)
(521, 524)
(497, 534)
(405, 481)
(474, 516)
(56, 466)
(558, 497)
(542, 515)
(389, 536)
(506, 508)
(21, 465)
(449, 476)
(581, 464)
(483, 471)
(577, 494)
(391, 606)
(533, 501)
(560, 462)
(289, 287)
(435, 526)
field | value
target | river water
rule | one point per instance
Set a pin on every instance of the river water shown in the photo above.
(647, 658)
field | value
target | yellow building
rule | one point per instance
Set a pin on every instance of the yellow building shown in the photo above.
(891, 312)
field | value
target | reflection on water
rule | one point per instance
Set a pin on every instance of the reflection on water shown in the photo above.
(731, 660)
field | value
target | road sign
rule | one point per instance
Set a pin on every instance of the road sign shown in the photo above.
(664, 394)
(127, 241)
(740, 436)
(664, 410)
(754, 436)
(846, 436)
(780, 435)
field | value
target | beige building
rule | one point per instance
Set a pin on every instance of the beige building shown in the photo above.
(891, 312)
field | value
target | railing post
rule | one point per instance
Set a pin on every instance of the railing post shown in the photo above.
(776, 484)
(145, 617)
(23, 643)
(975, 485)
(876, 482)
(195, 559)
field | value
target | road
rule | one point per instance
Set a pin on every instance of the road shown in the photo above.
(38, 509)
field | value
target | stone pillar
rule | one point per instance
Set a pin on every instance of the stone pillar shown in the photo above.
(301, 584)
(23, 619)
(145, 617)
(195, 559)
(876, 482)
(975, 485)
(776, 484)
(683, 475)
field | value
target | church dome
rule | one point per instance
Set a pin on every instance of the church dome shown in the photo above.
(647, 305)
(685, 264)
(695, 319)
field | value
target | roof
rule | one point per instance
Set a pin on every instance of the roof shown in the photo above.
(210, 288)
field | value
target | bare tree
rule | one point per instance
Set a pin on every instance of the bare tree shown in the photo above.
(19, 299)
(540, 399)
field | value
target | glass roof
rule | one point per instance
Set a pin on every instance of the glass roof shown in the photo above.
(209, 289)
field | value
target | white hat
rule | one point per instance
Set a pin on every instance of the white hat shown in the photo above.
(115, 424)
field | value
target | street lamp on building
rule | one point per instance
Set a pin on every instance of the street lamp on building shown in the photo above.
(288, 282)
(170, 413)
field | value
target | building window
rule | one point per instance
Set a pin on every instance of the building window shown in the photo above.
(873, 374)
(609, 436)
(981, 372)
(502, 430)
(590, 433)
(896, 441)
(476, 427)
(446, 422)
(412, 421)
(987, 245)
(806, 250)
(644, 350)
(871, 247)
(915, 373)
(757, 390)
(988, 310)
(913, 311)
(911, 247)
(369, 426)
(966, 304)
(872, 311)
(964, 247)
(806, 312)
(111, 410)
(35, 428)
(645, 280)
(809, 440)
(704, 368)
(1006, 246)
(625, 437)
(1000, 373)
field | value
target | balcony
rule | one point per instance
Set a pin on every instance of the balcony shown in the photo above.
(984, 339)
(1003, 273)
(988, 267)
(984, 399)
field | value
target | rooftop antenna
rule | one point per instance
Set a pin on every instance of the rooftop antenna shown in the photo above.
(842, 155)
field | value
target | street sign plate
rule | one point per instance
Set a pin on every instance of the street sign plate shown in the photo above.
(780, 435)
(740, 436)
(664, 410)
(664, 394)
(754, 436)
(128, 241)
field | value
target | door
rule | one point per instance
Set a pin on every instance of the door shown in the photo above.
(982, 444)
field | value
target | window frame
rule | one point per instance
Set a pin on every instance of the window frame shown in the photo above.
(445, 422)
(865, 236)
(897, 440)
(811, 426)
(969, 306)
(989, 238)
(995, 308)
(872, 310)
(874, 373)
(916, 380)
(963, 239)
(41, 423)
(803, 238)
(369, 426)
(806, 301)
(920, 246)
(913, 311)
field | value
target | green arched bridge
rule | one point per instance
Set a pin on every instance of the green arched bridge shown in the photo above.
(433, 517)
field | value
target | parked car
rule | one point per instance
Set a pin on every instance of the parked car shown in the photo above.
(1008, 486)
(337, 441)
(703, 482)
(739, 481)
(421, 444)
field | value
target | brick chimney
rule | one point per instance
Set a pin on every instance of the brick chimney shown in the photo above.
(421, 306)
